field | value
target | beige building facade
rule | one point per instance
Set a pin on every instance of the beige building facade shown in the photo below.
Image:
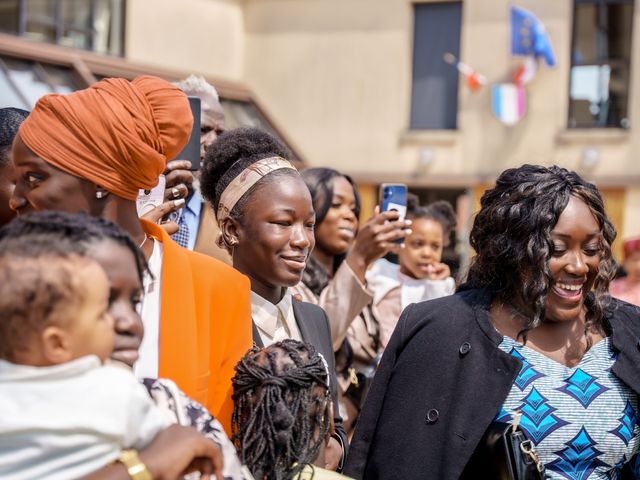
(338, 75)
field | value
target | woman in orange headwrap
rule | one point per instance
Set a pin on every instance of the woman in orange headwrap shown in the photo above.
(92, 151)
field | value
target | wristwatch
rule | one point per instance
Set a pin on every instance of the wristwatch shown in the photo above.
(135, 468)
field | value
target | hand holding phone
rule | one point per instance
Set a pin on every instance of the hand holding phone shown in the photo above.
(382, 233)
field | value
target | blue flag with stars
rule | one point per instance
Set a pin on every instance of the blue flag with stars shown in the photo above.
(529, 37)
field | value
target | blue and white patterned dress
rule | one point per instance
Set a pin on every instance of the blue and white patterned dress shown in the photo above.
(583, 420)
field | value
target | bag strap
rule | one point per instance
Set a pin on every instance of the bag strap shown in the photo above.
(526, 447)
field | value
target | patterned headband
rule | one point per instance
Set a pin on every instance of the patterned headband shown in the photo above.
(247, 179)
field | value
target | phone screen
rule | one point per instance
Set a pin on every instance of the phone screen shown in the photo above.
(191, 150)
(149, 199)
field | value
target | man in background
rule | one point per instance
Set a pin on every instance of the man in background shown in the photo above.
(198, 227)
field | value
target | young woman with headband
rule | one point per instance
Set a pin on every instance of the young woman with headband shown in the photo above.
(266, 220)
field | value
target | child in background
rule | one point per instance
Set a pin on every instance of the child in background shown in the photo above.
(421, 275)
(64, 413)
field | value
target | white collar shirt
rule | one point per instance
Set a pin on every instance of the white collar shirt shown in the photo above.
(149, 351)
(274, 322)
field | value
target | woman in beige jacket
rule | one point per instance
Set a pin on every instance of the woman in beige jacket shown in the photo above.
(334, 277)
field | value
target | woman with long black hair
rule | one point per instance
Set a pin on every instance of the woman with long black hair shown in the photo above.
(334, 277)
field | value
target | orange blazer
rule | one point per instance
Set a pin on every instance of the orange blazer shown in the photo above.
(205, 324)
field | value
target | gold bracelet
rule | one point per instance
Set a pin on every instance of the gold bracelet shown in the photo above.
(136, 469)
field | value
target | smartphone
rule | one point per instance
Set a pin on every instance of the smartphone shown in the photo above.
(393, 196)
(191, 151)
(149, 199)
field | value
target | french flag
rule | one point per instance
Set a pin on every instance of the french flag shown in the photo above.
(508, 102)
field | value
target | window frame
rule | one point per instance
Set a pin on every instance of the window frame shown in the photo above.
(600, 62)
(59, 27)
(412, 127)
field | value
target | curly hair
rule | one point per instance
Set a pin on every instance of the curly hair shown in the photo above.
(512, 233)
(319, 181)
(440, 211)
(232, 152)
(282, 406)
(37, 292)
(226, 158)
(39, 233)
(10, 120)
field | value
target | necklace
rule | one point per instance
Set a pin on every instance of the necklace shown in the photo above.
(146, 237)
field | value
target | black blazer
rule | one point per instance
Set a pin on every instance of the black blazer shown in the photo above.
(441, 382)
(314, 329)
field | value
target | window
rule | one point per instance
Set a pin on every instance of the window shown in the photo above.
(22, 82)
(600, 64)
(95, 25)
(28, 71)
(434, 96)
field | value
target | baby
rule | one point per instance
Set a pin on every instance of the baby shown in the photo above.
(64, 412)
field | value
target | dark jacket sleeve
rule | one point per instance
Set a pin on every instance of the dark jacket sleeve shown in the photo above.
(441, 381)
(337, 419)
(368, 419)
(314, 327)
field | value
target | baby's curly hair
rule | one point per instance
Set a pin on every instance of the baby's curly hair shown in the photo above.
(511, 235)
(36, 292)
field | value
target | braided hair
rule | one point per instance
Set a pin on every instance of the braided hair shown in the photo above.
(62, 233)
(10, 120)
(512, 235)
(282, 407)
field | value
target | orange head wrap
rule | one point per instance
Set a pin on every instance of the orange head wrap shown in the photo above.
(116, 134)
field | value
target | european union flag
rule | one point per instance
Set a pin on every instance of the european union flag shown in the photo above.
(529, 37)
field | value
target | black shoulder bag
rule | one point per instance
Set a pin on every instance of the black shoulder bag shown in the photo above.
(508, 454)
